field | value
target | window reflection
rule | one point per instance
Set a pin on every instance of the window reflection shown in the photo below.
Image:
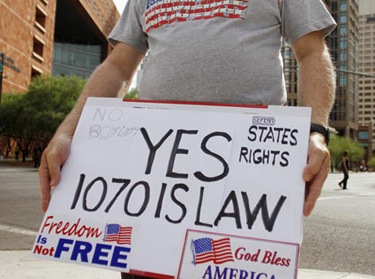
(75, 59)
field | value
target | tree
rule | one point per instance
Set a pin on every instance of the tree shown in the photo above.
(59, 95)
(338, 145)
(132, 94)
(10, 111)
(35, 115)
(371, 163)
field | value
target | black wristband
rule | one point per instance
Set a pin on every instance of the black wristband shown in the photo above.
(321, 130)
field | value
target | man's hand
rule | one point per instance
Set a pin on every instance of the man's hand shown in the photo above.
(316, 170)
(54, 156)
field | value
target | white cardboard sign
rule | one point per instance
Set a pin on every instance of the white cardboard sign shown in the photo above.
(181, 191)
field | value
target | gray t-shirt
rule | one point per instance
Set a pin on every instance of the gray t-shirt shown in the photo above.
(222, 51)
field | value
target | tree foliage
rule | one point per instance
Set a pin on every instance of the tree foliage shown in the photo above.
(371, 163)
(338, 145)
(35, 115)
(132, 94)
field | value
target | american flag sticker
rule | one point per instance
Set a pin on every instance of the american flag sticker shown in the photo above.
(118, 234)
(215, 255)
(206, 250)
(160, 12)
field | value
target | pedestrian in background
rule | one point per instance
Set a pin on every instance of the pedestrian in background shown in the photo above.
(37, 155)
(345, 170)
(17, 151)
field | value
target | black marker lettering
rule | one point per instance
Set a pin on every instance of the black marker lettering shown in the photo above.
(244, 152)
(204, 148)
(284, 157)
(285, 136)
(125, 182)
(176, 150)
(232, 198)
(198, 216)
(145, 201)
(252, 215)
(87, 190)
(294, 139)
(180, 204)
(160, 201)
(253, 135)
(153, 148)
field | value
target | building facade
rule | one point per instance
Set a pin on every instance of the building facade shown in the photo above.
(343, 43)
(290, 74)
(26, 40)
(52, 37)
(367, 80)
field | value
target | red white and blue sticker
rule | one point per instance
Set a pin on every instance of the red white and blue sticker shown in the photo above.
(209, 255)
(84, 242)
(161, 12)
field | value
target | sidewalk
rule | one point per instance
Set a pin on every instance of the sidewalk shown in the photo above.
(11, 162)
(19, 265)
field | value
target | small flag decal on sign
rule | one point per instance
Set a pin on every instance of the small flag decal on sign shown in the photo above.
(206, 250)
(121, 235)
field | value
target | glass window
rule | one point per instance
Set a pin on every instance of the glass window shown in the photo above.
(363, 135)
(343, 67)
(40, 18)
(343, 30)
(343, 43)
(342, 56)
(38, 47)
(343, 18)
(342, 80)
(75, 59)
(343, 7)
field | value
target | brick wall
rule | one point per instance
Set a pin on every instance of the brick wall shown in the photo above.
(30, 44)
(17, 32)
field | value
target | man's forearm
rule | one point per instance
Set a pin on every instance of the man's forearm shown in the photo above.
(317, 85)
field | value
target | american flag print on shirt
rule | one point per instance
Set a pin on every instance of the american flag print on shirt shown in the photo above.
(160, 12)
(206, 250)
(116, 233)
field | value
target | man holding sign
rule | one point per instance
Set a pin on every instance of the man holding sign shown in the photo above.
(223, 51)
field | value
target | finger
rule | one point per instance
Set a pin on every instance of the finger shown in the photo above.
(314, 188)
(49, 175)
(313, 166)
(315, 160)
(45, 187)
(54, 166)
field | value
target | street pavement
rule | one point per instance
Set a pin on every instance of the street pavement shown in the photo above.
(339, 236)
(19, 264)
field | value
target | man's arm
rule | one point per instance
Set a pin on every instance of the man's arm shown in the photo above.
(105, 81)
(316, 89)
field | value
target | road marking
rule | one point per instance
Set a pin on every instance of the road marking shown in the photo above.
(17, 230)
(367, 195)
(333, 198)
